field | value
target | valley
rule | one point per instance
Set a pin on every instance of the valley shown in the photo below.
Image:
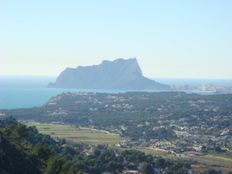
(173, 125)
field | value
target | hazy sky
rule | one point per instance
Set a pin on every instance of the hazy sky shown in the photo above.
(170, 38)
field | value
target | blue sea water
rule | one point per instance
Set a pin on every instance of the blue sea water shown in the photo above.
(11, 98)
(26, 91)
(25, 97)
(29, 91)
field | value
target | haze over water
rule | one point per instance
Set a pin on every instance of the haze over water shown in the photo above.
(31, 91)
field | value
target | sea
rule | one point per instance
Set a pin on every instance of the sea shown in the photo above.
(31, 91)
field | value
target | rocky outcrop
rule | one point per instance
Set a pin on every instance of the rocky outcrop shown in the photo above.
(117, 74)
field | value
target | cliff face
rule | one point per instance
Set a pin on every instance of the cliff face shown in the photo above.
(118, 74)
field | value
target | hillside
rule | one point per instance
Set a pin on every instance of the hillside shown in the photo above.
(14, 161)
(24, 151)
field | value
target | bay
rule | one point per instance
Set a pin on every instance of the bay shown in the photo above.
(31, 91)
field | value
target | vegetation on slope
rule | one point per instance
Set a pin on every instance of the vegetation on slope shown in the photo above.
(24, 150)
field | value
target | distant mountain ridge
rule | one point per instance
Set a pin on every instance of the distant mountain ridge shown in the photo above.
(121, 73)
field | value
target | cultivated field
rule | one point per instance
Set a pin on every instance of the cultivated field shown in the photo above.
(77, 134)
(217, 161)
(93, 136)
(221, 161)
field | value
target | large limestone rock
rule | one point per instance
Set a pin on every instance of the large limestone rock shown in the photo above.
(117, 74)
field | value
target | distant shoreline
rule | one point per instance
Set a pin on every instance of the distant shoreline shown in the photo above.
(31, 91)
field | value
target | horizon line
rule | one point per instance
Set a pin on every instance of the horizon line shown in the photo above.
(153, 78)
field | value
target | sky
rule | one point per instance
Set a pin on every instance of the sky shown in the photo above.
(169, 38)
